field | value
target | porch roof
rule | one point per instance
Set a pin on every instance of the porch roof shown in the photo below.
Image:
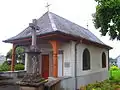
(52, 23)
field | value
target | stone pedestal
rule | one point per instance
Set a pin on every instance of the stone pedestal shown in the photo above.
(32, 88)
(32, 82)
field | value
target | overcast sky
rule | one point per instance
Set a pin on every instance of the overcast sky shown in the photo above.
(15, 16)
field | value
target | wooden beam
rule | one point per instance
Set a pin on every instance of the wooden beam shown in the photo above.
(13, 57)
(55, 45)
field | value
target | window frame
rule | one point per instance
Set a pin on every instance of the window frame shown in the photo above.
(86, 59)
(104, 64)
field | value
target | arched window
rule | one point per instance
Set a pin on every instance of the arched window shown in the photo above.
(86, 59)
(103, 60)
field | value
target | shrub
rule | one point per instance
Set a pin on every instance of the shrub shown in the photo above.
(116, 86)
(19, 67)
(104, 85)
(5, 67)
(114, 68)
(83, 88)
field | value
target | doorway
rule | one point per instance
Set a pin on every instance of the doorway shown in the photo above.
(45, 66)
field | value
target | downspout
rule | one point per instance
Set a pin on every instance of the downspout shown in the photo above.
(108, 60)
(76, 65)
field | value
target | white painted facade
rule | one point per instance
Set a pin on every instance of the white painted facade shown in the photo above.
(66, 62)
(95, 58)
(96, 72)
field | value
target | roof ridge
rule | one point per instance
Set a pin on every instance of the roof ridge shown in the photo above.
(52, 21)
(68, 20)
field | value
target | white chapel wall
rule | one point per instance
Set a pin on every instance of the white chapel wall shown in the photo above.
(95, 59)
(66, 59)
(96, 73)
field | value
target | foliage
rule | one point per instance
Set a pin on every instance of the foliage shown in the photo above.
(9, 54)
(19, 67)
(114, 68)
(104, 85)
(116, 86)
(107, 18)
(115, 75)
(111, 84)
(19, 53)
(5, 67)
(82, 88)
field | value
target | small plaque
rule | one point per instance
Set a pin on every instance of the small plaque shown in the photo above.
(67, 64)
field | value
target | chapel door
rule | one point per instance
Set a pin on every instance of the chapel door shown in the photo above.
(45, 66)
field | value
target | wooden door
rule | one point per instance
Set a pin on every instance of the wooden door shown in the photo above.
(45, 66)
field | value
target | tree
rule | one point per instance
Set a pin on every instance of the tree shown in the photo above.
(9, 54)
(107, 18)
(19, 53)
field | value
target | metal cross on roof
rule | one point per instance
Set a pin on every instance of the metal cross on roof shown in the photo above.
(47, 6)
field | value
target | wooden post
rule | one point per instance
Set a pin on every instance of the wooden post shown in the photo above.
(13, 57)
(55, 57)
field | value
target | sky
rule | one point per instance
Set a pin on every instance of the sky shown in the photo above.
(15, 16)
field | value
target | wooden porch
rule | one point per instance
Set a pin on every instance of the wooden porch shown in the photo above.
(54, 47)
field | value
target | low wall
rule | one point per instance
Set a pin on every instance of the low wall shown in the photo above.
(65, 83)
(13, 74)
(92, 78)
(69, 83)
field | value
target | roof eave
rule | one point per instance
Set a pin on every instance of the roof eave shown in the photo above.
(62, 33)
(13, 40)
(95, 43)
